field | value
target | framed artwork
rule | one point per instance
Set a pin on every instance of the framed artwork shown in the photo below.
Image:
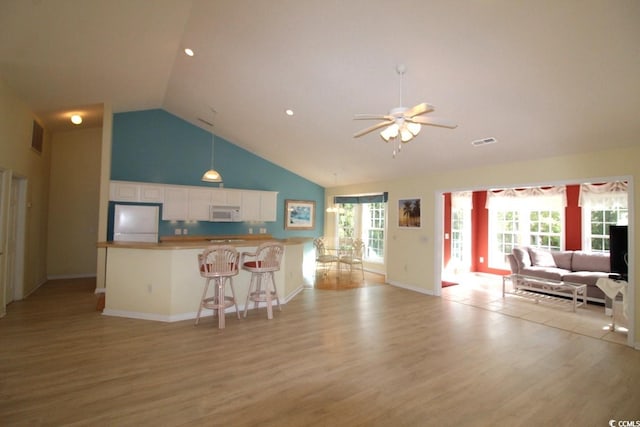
(299, 214)
(409, 213)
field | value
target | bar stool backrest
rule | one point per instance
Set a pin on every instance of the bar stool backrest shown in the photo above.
(218, 261)
(267, 258)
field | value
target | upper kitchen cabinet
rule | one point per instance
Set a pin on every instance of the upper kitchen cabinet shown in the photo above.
(259, 205)
(191, 203)
(150, 193)
(226, 197)
(175, 206)
(200, 201)
(124, 191)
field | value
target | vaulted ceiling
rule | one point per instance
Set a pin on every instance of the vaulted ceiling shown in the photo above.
(543, 77)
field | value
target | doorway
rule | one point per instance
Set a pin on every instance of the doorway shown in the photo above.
(441, 251)
(13, 195)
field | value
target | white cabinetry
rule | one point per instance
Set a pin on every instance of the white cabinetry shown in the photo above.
(268, 205)
(122, 191)
(175, 205)
(181, 202)
(250, 206)
(226, 197)
(199, 203)
(150, 193)
(259, 205)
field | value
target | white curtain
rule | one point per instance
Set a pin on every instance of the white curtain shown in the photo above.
(462, 200)
(607, 196)
(533, 198)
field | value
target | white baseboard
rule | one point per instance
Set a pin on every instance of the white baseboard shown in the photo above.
(412, 288)
(71, 276)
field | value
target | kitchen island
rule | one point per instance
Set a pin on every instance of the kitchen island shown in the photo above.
(161, 281)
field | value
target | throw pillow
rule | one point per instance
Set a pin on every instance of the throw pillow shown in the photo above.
(541, 258)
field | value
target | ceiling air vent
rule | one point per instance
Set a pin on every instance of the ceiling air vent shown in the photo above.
(484, 141)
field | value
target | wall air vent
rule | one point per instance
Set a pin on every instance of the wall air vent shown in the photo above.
(484, 141)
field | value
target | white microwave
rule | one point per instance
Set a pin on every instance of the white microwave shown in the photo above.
(224, 214)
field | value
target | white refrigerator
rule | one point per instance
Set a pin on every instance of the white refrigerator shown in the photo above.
(132, 223)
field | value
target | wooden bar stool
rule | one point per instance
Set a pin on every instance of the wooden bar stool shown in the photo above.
(220, 264)
(261, 265)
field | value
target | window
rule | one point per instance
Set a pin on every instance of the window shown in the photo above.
(530, 217)
(545, 229)
(602, 205)
(461, 205)
(366, 221)
(373, 220)
(346, 221)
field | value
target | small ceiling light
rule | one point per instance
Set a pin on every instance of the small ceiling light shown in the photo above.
(76, 119)
(288, 112)
(188, 51)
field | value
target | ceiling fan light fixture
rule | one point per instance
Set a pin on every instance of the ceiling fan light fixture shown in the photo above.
(405, 135)
(390, 132)
(414, 128)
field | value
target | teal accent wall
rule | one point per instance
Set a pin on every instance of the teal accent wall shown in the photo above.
(158, 147)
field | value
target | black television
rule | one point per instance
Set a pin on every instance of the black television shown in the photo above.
(618, 247)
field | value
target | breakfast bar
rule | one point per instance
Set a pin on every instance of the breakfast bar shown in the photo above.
(161, 281)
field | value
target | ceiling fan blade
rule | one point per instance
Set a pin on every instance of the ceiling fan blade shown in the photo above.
(432, 121)
(419, 109)
(371, 117)
(372, 128)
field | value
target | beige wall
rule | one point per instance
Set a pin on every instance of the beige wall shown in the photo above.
(73, 203)
(17, 159)
(414, 256)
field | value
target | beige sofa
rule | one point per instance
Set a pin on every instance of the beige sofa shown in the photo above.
(567, 266)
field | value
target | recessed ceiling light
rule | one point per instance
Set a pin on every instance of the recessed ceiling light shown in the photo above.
(76, 119)
(288, 112)
(188, 51)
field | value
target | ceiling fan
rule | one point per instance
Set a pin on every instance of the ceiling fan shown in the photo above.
(402, 123)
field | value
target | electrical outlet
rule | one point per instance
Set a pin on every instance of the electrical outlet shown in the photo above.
(185, 231)
(250, 230)
(481, 259)
(263, 230)
(177, 231)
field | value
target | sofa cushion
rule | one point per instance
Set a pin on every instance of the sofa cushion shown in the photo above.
(551, 273)
(588, 278)
(522, 257)
(541, 258)
(590, 261)
(562, 259)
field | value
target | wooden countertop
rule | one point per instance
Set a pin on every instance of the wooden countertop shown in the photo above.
(201, 242)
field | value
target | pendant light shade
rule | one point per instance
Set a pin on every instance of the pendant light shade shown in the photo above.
(212, 175)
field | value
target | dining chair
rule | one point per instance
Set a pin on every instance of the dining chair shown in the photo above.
(353, 256)
(324, 258)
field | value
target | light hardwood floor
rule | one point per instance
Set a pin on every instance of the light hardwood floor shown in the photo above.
(369, 356)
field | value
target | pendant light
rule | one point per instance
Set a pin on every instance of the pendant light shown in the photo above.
(212, 174)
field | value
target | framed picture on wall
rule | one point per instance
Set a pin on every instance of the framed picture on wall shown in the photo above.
(299, 214)
(409, 215)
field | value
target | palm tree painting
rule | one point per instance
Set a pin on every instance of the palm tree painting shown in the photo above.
(409, 213)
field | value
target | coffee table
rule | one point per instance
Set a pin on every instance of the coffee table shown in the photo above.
(545, 288)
